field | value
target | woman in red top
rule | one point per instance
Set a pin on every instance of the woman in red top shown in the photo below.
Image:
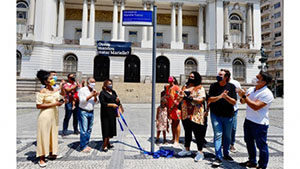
(172, 91)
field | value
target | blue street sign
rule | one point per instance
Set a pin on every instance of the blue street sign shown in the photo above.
(110, 48)
(137, 18)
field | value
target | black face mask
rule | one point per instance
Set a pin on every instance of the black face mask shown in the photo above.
(219, 78)
(73, 79)
(191, 81)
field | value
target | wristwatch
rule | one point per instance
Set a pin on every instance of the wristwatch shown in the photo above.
(244, 96)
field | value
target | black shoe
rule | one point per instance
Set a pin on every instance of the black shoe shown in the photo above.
(217, 162)
(228, 158)
(76, 132)
(248, 164)
(110, 146)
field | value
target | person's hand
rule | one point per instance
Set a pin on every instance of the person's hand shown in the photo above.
(58, 103)
(224, 94)
(206, 114)
(94, 93)
(117, 100)
(114, 106)
(241, 92)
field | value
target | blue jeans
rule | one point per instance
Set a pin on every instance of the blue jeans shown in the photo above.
(222, 127)
(68, 113)
(86, 120)
(234, 124)
(256, 133)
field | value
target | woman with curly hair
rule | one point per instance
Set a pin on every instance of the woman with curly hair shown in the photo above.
(47, 101)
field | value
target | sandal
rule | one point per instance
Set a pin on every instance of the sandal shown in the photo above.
(42, 165)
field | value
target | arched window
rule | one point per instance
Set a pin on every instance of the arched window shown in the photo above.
(70, 63)
(190, 65)
(19, 61)
(239, 69)
(235, 22)
(22, 9)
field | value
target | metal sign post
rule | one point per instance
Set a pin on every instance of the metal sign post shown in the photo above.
(153, 79)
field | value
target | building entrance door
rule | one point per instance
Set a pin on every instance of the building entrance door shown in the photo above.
(132, 69)
(101, 68)
(162, 69)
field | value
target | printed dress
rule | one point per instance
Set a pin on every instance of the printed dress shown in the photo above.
(162, 121)
(171, 96)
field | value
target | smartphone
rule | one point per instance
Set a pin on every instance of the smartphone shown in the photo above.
(187, 93)
(61, 100)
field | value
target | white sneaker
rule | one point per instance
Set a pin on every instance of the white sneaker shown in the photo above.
(184, 153)
(199, 156)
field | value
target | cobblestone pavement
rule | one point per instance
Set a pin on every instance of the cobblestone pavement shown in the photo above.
(125, 153)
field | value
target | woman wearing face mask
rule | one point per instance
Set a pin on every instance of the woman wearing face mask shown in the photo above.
(172, 91)
(109, 103)
(47, 131)
(192, 109)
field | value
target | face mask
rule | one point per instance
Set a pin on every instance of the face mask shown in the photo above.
(55, 78)
(219, 78)
(73, 79)
(52, 82)
(190, 81)
(92, 85)
(254, 81)
(170, 80)
(110, 87)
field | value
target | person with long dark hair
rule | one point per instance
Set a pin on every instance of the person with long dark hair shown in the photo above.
(109, 103)
(172, 91)
(47, 101)
(192, 109)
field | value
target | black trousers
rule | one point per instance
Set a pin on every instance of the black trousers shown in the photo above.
(198, 130)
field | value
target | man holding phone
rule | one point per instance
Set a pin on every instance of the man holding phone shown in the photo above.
(87, 100)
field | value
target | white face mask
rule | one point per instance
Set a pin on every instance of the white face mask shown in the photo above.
(92, 85)
(254, 81)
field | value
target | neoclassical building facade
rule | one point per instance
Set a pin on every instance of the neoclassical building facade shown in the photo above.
(192, 35)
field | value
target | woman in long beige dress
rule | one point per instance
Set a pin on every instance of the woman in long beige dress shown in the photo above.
(47, 101)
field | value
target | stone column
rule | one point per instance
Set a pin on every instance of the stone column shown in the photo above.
(92, 21)
(61, 19)
(150, 28)
(226, 26)
(122, 31)
(144, 37)
(84, 20)
(249, 25)
(173, 23)
(244, 33)
(179, 22)
(200, 25)
(115, 22)
(30, 22)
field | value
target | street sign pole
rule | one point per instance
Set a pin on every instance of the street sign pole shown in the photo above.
(153, 79)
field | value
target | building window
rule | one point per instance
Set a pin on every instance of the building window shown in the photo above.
(277, 75)
(277, 5)
(133, 36)
(77, 34)
(278, 34)
(239, 69)
(277, 43)
(70, 63)
(277, 15)
(277, 24)
(22, 9)
(278, 53)
(185, 38)
(19, 61)
(160, 37)
(190, 65)
(106, 35)
(235, 22)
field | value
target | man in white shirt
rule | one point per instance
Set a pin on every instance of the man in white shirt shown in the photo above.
(87, 100)
(258, 100)
(234, 118)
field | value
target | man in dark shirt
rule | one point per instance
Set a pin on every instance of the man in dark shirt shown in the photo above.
(222, 98)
